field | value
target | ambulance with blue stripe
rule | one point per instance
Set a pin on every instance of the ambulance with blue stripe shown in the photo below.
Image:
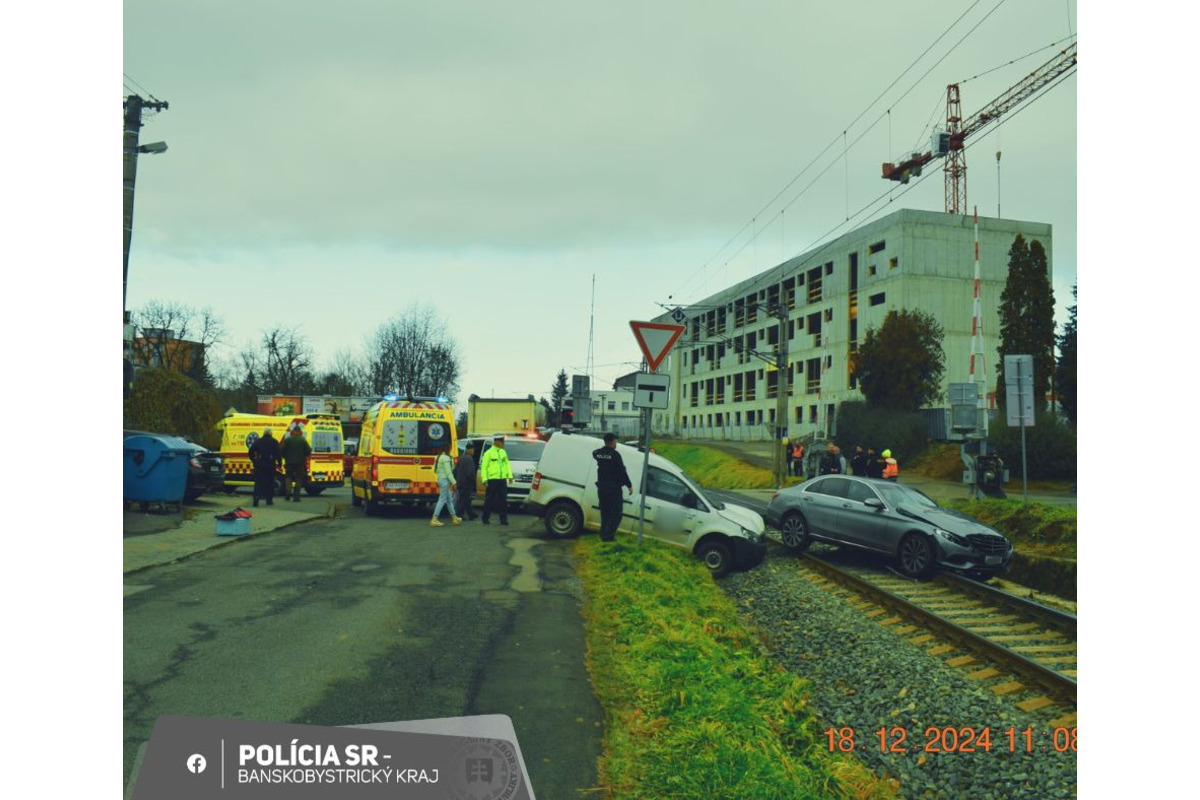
(397, 447)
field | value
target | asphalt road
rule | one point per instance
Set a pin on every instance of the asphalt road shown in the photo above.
(357, 620)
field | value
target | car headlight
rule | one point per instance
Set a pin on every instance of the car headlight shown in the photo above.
(951, 537)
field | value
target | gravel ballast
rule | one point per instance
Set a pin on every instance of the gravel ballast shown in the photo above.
(866, 677)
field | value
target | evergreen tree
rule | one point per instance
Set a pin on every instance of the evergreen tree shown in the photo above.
(1027, 317)
(1066, 381)
(557, 394)
(900, 365)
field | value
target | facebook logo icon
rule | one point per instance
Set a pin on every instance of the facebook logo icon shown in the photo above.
(196, 764)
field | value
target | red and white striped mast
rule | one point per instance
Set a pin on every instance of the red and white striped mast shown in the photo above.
(977, 338)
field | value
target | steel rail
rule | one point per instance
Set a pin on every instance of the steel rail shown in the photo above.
(1061, 621)
(1054, 682)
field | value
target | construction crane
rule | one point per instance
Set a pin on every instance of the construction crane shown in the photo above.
(949, 144)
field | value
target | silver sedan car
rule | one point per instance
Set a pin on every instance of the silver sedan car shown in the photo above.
(888, 518)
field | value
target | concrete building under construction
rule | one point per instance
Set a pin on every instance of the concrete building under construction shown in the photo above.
(721, 386)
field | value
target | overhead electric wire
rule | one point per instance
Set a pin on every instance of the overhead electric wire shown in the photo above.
(1015, 60)
(139, 86)
(772, 275)
(845, 129)
(855, 121)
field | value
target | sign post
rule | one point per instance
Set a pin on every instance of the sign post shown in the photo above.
(650, 391)
(1018, 388)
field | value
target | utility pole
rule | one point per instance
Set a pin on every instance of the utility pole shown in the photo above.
(134, 106)
(781, 386)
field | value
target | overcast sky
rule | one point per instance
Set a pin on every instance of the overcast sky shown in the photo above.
(330, 165)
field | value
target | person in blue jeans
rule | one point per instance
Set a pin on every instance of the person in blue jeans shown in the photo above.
(443, 468)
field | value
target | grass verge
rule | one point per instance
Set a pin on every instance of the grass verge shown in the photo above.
(692, 706)
(1037, 527)
(716, 469)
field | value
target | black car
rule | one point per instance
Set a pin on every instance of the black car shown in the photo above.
(206, 473)
(888, 518)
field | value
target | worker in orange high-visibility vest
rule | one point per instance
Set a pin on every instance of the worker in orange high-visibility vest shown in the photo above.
(891, 470)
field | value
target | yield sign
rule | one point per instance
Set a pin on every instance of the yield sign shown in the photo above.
(656, 340)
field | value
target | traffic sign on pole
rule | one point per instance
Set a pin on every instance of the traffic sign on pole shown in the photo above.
(656, 340)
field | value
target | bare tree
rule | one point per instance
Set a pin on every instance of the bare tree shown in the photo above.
(175, 336)
(414, 355)
(287, 361)
(346, 376)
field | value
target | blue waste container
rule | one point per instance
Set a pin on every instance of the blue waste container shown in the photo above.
(156, 469)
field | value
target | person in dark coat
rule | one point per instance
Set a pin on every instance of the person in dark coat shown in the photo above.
(610, 477)
(874, 464)
(464, 473)
(295, 451)
(831, 462)
(265, 455)
(858, 464)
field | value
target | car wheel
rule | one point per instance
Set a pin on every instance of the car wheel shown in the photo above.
(313, 491)
(372, 508)
(717, 557)
(355, 500)
(916, 556)
(280, 486)
(794, 531)
(563, 519)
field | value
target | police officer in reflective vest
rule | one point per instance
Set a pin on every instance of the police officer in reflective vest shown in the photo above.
(497, 474)
(610, 477)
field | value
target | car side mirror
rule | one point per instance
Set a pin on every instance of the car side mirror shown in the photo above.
(874, 502)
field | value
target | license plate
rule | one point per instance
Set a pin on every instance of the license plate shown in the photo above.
(993, 559)
(318, 476)
(396, 484)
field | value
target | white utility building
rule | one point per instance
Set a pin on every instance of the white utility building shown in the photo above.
(907, 260)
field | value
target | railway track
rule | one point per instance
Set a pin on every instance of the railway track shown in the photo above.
(1017, 647)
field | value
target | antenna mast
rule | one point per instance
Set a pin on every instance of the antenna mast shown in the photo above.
(591, 337)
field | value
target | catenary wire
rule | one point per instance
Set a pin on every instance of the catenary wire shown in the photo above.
(835, 138)
(868, 129)
(772, 275)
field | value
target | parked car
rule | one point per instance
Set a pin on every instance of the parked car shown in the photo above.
(206, 473)
(889, 518)
(724, 536)
(349, 450)
(523, 454)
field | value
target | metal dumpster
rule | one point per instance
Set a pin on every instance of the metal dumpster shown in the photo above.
(156, 470)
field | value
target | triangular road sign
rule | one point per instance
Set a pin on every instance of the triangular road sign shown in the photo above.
(656, 340)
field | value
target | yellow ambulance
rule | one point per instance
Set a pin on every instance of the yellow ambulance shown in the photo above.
(324, 435)
(396, 451)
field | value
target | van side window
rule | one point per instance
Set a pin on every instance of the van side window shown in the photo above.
(663, 485)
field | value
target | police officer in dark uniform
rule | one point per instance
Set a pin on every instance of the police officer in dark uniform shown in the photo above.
(266, 457)
(610, 477)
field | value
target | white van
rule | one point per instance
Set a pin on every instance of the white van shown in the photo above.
(726, 537)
